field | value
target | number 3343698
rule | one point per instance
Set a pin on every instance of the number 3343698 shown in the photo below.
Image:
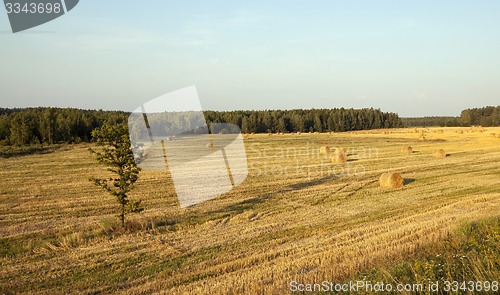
(33, 7)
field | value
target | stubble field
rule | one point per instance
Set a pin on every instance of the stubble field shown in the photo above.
(297, 216)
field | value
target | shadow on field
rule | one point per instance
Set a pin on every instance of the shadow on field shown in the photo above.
(17, 151)
(252, 202)
(407, 181)
(309, 183)
(241, 206)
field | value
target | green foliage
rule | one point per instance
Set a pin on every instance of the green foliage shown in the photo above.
(116, 153)
(431, 121)
(472, 253)
(21, 127)
(300, 120)
(56, 125)
(487, 116)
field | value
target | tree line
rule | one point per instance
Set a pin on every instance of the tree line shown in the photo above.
(486, 117)
(313, 120)
(431, 121)
(47, 125)
(52, 125)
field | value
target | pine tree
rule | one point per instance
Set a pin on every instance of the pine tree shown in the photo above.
(244, 125)
(116, 153)
(317, 124)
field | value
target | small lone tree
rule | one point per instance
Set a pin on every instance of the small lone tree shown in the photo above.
(116, 153)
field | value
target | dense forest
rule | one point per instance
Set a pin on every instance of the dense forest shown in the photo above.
(314, 120)
(487, 116)
(52, 125)
(431, 121)
(56, 125)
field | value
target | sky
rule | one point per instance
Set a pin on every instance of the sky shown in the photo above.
(415, 58)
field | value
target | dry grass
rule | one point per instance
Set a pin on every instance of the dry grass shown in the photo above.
(304, 223)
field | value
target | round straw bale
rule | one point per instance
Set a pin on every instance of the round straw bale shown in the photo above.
(341, 151)
(407, 150)
(391, 180)
(324, 150)
(439, 153)
(339, 159)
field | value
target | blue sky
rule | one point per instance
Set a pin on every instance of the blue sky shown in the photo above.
(415, 58)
